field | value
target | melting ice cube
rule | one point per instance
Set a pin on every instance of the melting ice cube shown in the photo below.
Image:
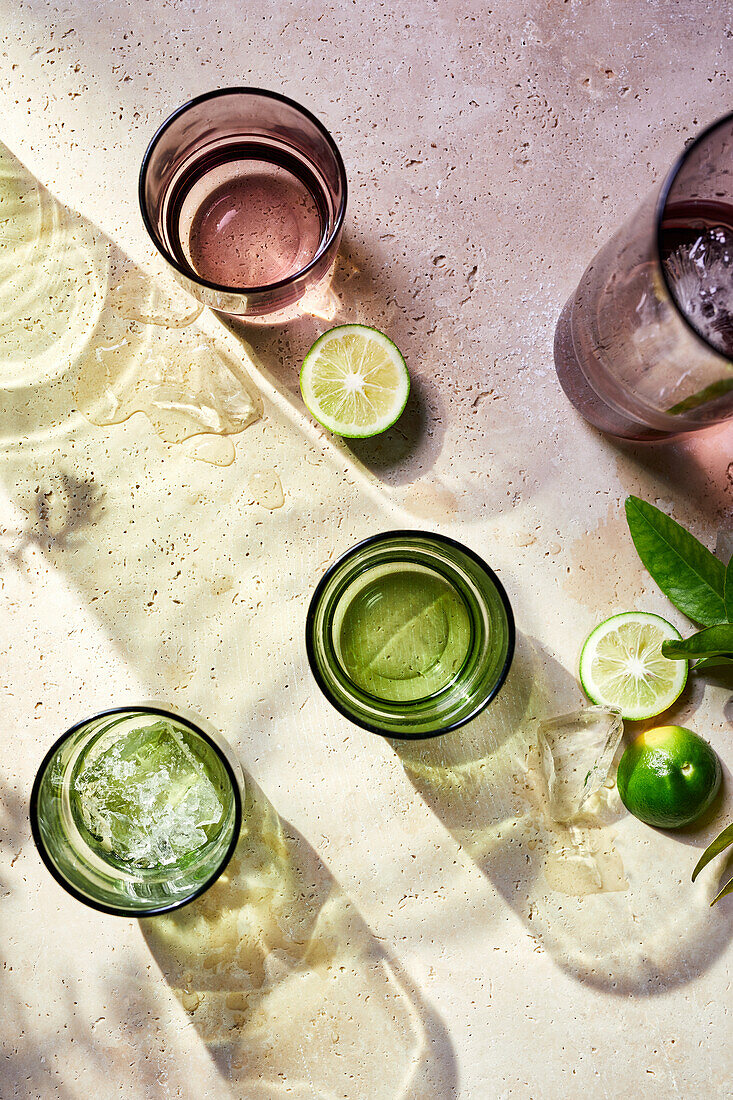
(576, 752)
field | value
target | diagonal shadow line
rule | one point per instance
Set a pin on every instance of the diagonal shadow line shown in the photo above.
(566, 882)
(67, 517)
(276, 949)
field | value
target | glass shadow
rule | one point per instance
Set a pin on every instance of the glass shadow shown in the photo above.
(359, 293)
(572, 883)
(287, 986)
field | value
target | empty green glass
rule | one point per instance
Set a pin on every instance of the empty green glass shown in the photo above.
(410, 634)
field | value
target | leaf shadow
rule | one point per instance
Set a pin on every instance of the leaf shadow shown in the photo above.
(63, 509)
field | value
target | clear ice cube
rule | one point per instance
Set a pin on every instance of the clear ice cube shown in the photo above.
(701, 280)
(576, 751)
(147, 797)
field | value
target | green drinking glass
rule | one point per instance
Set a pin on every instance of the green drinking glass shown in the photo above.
(410, 634)
(137, 810)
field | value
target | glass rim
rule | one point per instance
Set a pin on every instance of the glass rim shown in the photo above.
(265, 93)
(429, 536)
(659, 217)
(119, 911)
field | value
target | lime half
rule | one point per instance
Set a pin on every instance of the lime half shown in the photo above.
(354, 381)
(622, 666)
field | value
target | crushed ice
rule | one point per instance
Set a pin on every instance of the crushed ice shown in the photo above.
(147, 797)
(701, 280)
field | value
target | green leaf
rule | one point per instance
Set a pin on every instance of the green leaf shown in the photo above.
(721, 664)
(688, 574)
(713, 641)
(722, 841)
(728, 590)
(710, 393)
(727, 889)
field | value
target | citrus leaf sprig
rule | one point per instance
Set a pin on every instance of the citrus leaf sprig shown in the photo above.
(711, 641)
(728, 591)
(721, 842)
(697, 583)
(701, 586)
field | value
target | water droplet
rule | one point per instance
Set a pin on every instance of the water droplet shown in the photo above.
(266, 489)
(218, 450)
(191, 1001)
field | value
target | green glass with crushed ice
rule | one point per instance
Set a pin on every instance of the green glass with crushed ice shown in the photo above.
(137, 810)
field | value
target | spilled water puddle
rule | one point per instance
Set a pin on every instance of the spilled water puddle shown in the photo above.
(275, 951)
(85, 330)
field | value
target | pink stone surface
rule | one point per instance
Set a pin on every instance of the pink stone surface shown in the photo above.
(426, 932)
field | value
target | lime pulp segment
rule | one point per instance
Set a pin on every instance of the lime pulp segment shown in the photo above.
(354, 381)
(622, 665)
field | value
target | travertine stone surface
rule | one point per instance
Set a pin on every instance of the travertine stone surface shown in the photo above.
(399, 921)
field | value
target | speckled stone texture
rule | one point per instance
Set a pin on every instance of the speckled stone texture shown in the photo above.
(422, 929)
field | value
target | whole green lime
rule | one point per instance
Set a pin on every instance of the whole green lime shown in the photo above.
(668, 776)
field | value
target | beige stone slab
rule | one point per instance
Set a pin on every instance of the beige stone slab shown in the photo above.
(398, 927)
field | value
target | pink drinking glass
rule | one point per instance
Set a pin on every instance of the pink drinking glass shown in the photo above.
(243, 192)
(644, 347)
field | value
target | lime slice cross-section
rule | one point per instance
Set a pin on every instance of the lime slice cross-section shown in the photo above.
(622, 665)
(354, 381)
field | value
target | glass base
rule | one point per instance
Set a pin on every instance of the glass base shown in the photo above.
(585, 399)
